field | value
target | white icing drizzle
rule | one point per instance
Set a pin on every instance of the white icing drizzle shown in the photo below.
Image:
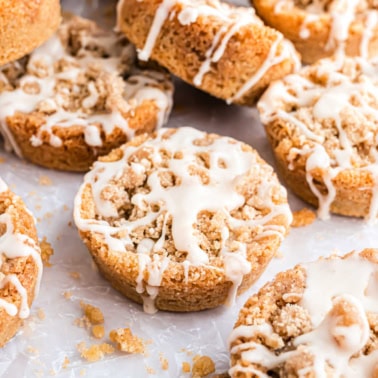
(328, 298)
(327, 102)
(14, 245)
(233, 18)
(183, 203)
(137, 88)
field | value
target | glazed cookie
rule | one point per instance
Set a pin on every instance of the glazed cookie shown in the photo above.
(319, 28)
(24, 25)
(20, 264)
(221, 49)
(78, 96)
(311, 321)
(322, 124)
(182, 220)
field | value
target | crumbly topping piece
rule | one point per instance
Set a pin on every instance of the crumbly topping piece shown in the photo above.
(303, 217)
(185, 367)
(94, 352)
(92, 313)
(46, 252)
(127, 342)
(202, 367)
(311, 319)
(98, 331)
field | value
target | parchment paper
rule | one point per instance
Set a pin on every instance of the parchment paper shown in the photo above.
(42, 346)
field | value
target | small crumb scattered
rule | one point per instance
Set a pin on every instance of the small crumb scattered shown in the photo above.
(75, 275)
(32, 350)
(163, 362)
(67, 294)
(95, 352)
(83, 372)
(127, 342)
(45, 181)
(41, 314)
(186, 367)
(93, 313)
(202, 367)
(98, 331)
(38, 207)
(48, 215)
(303, 217)
(150, 370)
(66, 362)
(65, 208)
(2, 160)
(46, 252)
(83, 322)
(70, 224)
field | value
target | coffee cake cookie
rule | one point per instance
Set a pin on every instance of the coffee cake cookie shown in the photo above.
(20, 263)
(322, 124)
(182, 220)
(24, 25)
(221, 49)
(78, 96)
(312, 321)
(319, 28)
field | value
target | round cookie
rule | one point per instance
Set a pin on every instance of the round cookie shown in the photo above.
(78, 96)
(319, 28)
(311, 321)
(322, 124)
(182, 220)
(20, 263)
(24, 25)
(221, 49)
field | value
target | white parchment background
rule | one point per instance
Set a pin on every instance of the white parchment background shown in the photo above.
(40, 348)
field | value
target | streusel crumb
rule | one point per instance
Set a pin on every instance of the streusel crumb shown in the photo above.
(46, 252)
(303, 217)
(95, 352)
(93, 313)
(127, 342)
(98, 331)
(202, 367)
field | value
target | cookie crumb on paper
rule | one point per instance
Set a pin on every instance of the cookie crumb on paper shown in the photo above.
(46, 252)
(94, 352)
(93, 313)
(303, 217)
(202, 367)
(127, 342)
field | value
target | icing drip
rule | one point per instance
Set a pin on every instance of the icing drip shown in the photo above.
(13, 245)
(325, 113)
(233, 18)
(181, 205)
(54, 74)
(340, 328)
